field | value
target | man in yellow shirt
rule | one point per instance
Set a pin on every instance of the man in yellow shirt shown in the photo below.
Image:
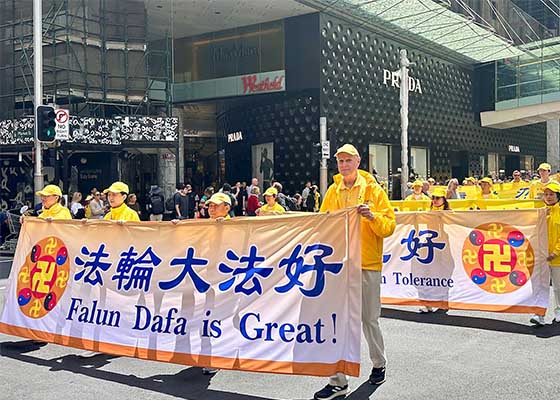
(417, 187)
(117, 194)
(271, 207)
(536, 189)
(486, 187)
(356, 188)
(52, 209)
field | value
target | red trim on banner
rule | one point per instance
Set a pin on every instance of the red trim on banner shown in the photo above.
(275, 367)
(453, 305)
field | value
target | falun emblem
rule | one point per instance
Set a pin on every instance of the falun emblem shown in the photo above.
(498, 258)
(43, 277)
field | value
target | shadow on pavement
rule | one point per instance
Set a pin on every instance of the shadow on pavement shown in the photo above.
(187, 384)
(487, 324)
(364, 391)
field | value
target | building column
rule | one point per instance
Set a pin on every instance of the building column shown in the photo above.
(553, 144)
(166, 171)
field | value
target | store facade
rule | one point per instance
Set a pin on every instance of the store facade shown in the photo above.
(272, 82)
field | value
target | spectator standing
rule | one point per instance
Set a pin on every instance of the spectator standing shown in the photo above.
(452, 189)
(181, 202)
(156, 204)
(305, 191)
(76, 208)
(132, 203)
(96, 207)
(227, 190)
(253, 201)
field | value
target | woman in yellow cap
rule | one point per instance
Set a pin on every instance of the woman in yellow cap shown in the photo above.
(417, 194)
(117, 194)
(439, 200)
(551, 196)
(271, 207)
(50, 199)
(486, 187)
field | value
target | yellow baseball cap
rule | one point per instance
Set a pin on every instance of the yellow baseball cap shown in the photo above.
(219, 198)
(545, 166)
(348, 149)
(50, 190)
(486, 180)
(439, 192)
(89, 197)
(471, 179)
(271, 191)
(431, 180)
(554, 186)
(117, 187)
(417, 183)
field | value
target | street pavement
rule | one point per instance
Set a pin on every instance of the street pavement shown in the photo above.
(461, 355)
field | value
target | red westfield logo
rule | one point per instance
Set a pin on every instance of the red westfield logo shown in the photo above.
(250, 84)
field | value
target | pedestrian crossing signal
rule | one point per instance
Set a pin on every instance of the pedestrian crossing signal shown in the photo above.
(46, 124)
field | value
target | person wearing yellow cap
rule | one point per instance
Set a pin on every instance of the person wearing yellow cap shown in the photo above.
(536, 189)
(439, 200)
(50, 199)
(356, 188)
(271, 207)
(486, 189)
(470, 181)
(417, 194)
(117, 194)
(219, 205)
(551, 197)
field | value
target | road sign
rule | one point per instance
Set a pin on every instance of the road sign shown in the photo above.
(325, 149)
(62, 124)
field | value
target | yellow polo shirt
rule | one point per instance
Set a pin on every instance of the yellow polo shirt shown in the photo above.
(276, 209)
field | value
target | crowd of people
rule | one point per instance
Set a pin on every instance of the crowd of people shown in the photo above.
(352, 187)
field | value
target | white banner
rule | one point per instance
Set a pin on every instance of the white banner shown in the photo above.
(470, 260)
(267, 294)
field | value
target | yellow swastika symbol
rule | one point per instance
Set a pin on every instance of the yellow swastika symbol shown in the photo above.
(45, 274)
(24, 275)
(496, 258)
(469, 256)
(61, 279)
(495, 230)
(498, 285)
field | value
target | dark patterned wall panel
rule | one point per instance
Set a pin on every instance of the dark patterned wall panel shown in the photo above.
(291, 121)
(362, 110)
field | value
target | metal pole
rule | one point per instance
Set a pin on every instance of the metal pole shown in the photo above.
(404, 120)
(323, 183)
(38, 62)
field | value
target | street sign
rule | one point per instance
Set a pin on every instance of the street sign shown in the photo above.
(325, 149)
(62, 118)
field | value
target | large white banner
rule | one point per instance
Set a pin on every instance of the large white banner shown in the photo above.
(268, 294)
(471, 260)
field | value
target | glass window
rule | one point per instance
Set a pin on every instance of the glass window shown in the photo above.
(527, 163)
(379, 160)
(493, 164)
(420, 161)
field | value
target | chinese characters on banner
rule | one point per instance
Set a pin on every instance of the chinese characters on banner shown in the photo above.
(486, 260)
(275, 294)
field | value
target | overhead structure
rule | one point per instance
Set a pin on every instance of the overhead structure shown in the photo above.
(429, 24)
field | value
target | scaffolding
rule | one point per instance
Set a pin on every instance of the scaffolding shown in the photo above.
(97, 59)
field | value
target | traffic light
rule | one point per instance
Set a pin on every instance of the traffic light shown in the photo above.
(46, 124)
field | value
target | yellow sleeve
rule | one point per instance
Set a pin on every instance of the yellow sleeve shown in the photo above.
(132, 215)
(107, 216)
(384, 222)
(329, 201)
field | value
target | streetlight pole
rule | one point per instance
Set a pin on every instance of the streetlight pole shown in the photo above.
(405, 63)
(323, 171)
(38, 87)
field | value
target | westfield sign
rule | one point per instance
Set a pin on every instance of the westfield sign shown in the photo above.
(255, 84)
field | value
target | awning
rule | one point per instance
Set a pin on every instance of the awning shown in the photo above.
(427, 24)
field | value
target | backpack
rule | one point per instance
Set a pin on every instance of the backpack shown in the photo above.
(170, 203)
(157, 204)
(291, 204)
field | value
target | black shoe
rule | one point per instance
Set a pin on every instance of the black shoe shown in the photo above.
(377, 376)
(331, 392)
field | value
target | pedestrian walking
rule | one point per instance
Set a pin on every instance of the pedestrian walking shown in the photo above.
(353, 187)
(156, 205)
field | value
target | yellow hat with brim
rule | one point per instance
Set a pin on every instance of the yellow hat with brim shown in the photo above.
(89, 197)
(470, 179)
(486, 180)
(50, 190)
(439, 192)
(271, 191)
(545, 166)
(117, 187)
(417, 183)
(219, 198)
(348, 149)
(554, 186)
